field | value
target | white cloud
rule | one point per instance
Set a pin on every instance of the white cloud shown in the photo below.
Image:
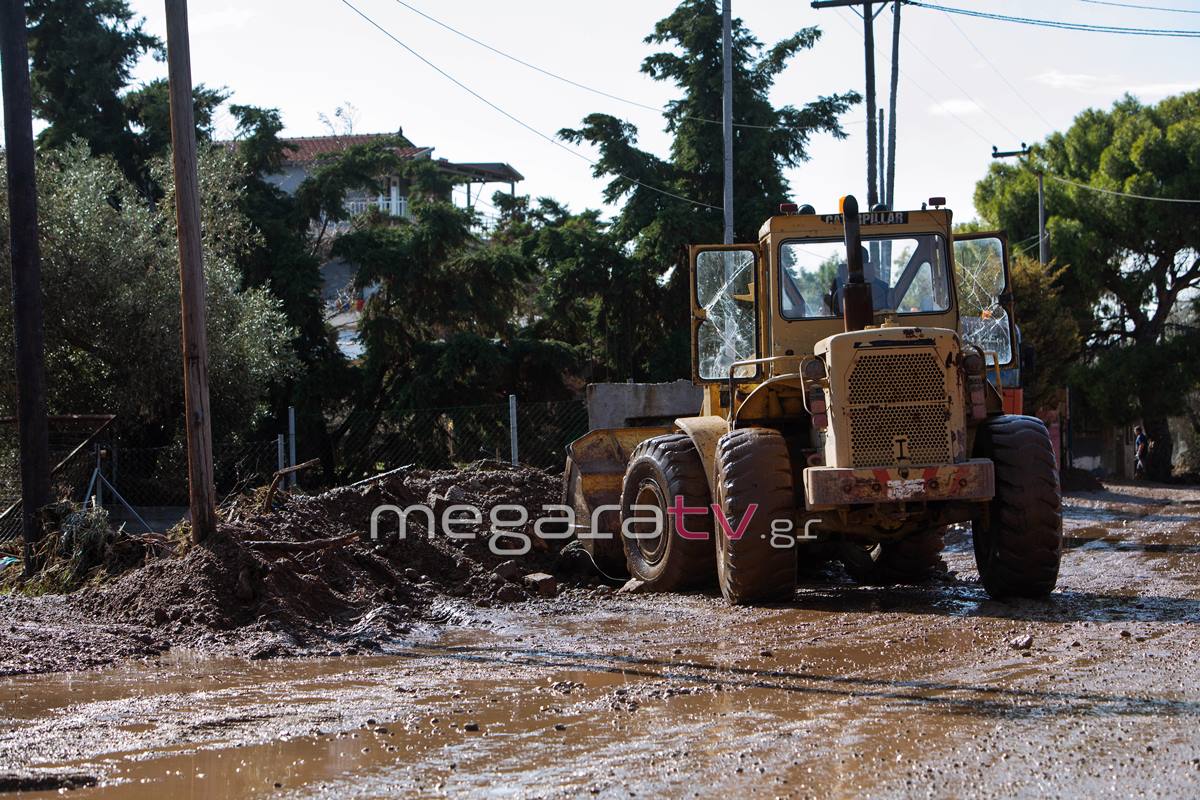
(211, 21)
(958, 108)
(1110, 85)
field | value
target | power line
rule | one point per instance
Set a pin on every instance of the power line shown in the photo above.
(1003, 77)
(518, 121)
(556, 76)
(1140, 7)
(947, 76)
(1119, 194)
(921, 88)
(1059, 24)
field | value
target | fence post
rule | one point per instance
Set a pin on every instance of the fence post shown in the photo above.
(292, 443)
(99, 483)
(512, 427)
(280, 458)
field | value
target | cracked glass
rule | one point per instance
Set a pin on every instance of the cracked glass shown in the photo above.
(983, 320)
(725, 290)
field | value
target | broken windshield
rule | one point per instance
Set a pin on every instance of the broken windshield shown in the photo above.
(907, 275)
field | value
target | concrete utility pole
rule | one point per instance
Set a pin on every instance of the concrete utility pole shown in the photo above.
(1043, 239)
(868, 15)
(32, 427)
(201, 494)
(727, 112)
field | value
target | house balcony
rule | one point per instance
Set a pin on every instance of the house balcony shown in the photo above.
(394, 206)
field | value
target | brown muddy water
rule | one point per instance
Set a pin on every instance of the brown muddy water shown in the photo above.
(846, 692)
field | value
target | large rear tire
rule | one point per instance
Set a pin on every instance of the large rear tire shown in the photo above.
(1018, 545)
(753, 469)
(662, 469)
(913, 559)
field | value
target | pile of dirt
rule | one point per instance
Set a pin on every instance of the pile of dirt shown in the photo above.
(1074, 479)
(307, 575)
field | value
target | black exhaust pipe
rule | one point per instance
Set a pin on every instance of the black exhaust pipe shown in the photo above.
(858, 310)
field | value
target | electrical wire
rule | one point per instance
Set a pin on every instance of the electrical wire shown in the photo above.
(956, 85)
(1059, 24)
(556, 76)
(1076, 184)
(1003, 77)
(921, 88)
(1140, 7)
(515, 119)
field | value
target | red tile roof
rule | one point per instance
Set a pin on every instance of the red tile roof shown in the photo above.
(311, 148)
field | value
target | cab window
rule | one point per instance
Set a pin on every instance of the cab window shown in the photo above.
(725, 292)
(907, 275)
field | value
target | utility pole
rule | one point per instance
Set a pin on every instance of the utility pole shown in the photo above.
(201, 494)
(883, 162)
(889, 196)
(868, 15)
(32, 427)
(727, 112)
(1043, 239)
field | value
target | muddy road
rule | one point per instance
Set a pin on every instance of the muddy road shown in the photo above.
(846, 692)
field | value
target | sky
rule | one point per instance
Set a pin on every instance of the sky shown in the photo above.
(967, 84)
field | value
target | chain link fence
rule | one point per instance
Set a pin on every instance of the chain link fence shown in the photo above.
(440, 438)
(154, 481)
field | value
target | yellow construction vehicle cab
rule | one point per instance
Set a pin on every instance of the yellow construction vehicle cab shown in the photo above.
(846, 411)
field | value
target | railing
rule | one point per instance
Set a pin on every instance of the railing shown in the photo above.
(384, 204)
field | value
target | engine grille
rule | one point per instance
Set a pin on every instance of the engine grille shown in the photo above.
(898, 396)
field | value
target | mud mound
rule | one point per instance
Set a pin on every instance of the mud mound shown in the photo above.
(1077, 480)
(308, 571)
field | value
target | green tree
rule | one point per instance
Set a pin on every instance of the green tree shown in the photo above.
(589, 291)
(82, 55)
(111, 279)
(1045, 323)
(767, 141)
(1129, 263)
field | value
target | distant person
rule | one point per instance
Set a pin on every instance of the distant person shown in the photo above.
(1141, 452)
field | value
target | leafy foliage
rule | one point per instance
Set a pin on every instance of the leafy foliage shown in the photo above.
(111, 281)
(770, 139)
(1129, 264)
(83, 53)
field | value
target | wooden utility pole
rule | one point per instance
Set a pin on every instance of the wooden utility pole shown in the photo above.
(868, 14)
(889, 192)
(191, 275)
(32, 428)
(727, 113)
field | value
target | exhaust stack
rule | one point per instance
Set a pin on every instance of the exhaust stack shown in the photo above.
(857, 305)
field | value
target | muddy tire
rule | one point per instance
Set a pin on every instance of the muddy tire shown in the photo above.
(1018, 545)
(753, 467)
(662, 469)
(914, 559)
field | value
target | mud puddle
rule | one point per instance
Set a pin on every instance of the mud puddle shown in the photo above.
(847, 691)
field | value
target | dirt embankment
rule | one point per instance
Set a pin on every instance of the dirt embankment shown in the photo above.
(305, 577)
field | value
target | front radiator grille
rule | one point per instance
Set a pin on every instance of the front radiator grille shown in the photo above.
(896, 378)
(898, 407)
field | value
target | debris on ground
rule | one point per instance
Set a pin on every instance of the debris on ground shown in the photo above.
(306, 576)
(1074, 479)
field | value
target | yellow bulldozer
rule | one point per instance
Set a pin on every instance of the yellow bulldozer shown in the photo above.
(844, 362)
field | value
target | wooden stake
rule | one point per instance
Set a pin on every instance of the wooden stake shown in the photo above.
(191, 275)
(32, 427)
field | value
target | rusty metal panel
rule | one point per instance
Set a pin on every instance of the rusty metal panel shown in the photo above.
(596, 467)
(829, 487)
